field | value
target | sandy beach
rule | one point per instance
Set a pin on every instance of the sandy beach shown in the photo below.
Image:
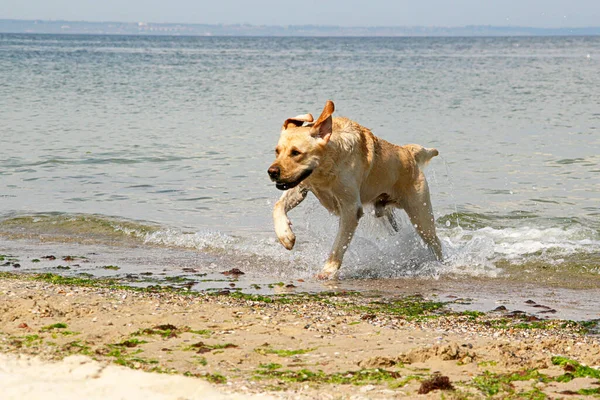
(80, 377)
(330, 345)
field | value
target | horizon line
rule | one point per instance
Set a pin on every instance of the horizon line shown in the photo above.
(469, 26)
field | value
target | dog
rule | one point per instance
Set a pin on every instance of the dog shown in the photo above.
(345, 166)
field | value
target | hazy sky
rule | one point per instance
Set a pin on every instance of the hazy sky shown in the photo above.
(537, 13)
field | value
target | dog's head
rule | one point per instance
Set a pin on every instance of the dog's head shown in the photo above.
(300, 148)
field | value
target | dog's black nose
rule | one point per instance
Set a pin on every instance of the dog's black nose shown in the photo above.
(274, 172)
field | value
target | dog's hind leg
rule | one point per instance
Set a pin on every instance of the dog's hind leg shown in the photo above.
(417, 204)
(283, 227)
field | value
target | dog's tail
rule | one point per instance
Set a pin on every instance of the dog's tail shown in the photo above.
(421, 154)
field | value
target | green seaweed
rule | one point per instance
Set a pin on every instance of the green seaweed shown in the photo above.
(404, 381)
(65, 333)
(473, 315)
(122, 357)
(270, 366)
(28, 341)
(282, 353)
(215, 378)
(589, 392)
(491, 383)
(360, 377)
(131, 342)
(487, 363)
(205, 348)
(58, 325)
(166, 331)
(77, 346)
(505, 323)
(201, 360)
(574, 369)
(179, 279)
(201, 332)
(409, 307)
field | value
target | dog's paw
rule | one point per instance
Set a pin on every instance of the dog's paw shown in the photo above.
(329, 271)
(284, 233)
(324, 276)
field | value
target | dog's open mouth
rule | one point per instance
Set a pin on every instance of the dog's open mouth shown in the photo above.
(289, 185)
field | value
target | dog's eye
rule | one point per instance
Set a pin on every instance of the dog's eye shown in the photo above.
(295, 153)
(277, 151)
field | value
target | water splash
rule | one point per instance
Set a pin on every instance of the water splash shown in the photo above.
(378, 252)
(483, 245)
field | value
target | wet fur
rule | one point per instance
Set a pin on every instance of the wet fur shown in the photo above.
(345, 166)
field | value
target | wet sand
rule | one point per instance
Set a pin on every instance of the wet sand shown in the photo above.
(557, 294)
(329, 345)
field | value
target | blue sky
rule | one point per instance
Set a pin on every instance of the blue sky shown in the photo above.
(536, 13)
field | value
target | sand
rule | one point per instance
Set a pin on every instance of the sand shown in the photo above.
(323, 347)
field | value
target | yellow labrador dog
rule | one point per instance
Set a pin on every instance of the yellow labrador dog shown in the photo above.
(345, 166)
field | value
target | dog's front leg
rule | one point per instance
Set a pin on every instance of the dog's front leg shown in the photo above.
(348, 223)
(283, 227)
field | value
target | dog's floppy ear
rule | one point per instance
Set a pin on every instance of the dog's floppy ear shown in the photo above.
(298, 120)
(324, 125)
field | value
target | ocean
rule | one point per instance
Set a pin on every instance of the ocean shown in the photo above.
(152, 153)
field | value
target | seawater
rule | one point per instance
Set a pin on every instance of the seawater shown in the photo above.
(164, 142)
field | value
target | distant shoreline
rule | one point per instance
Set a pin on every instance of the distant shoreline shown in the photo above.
(8, 26)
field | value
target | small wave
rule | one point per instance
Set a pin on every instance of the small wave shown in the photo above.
(518, 243)
(568, 161)
(204, 240)
(74, 227)
(57, 161)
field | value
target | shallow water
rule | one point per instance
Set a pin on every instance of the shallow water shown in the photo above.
(210, 272)
(167, 140)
